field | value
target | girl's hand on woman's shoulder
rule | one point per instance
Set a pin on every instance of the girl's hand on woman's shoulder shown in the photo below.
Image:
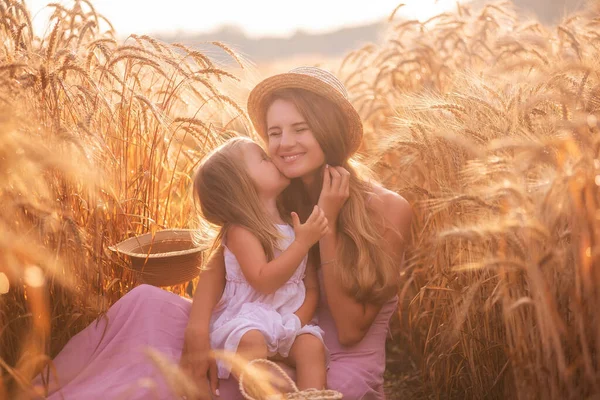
(335, 192)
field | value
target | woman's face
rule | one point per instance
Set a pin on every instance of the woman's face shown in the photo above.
(291, 144)
(267, 178)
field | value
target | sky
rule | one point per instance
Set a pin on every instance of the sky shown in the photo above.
(257, 18)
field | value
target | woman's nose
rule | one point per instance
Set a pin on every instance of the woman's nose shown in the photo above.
(287, 140)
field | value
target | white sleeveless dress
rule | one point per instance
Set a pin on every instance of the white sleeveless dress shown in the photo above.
(242, 309)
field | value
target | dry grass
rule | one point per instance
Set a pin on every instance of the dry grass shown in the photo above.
(97, 142)
(488, 124)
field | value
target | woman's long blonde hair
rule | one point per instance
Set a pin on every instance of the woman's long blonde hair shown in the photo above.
(227, 196)
(367, 270)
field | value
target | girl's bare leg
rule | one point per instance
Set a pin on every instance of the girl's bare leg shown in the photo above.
(307, 355)
(252, 345)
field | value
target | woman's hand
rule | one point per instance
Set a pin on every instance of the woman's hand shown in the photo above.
(197, 363)
(335, 192)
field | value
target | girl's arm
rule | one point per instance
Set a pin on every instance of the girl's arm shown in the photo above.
(196, 343)
(268, 276)
(307, 310)
(208, 293)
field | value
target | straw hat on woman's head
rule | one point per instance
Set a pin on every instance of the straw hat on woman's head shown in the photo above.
(315, 80)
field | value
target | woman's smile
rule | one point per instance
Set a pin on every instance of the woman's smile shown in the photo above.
(290, 158)
(290, 140)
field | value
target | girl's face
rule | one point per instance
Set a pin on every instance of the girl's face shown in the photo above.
(267, 179)
(291, 143)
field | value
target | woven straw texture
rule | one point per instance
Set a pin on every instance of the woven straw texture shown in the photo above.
(169, 258)
(307, 394)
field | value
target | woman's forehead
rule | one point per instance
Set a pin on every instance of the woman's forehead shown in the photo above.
(282, 110)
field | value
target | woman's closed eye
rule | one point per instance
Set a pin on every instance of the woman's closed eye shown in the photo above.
(300, 127)
(274, 133)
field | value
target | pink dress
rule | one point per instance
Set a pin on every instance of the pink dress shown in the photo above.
(242, 308)
(107, 360)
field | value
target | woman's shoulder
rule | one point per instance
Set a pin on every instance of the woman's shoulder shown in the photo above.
(391, 206)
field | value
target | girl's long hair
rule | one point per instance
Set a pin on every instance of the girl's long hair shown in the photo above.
(367, 270)
(227, 196)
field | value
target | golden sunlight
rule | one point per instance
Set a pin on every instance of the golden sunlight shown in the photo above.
(4, 283)
(257, 18)
(425, 9)
(34, 276)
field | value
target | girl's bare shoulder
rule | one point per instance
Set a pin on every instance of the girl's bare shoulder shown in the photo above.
(239, 233)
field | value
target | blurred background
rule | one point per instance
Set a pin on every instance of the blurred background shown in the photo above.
(267, 31)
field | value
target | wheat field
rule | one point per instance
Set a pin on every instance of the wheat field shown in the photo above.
(486, 122)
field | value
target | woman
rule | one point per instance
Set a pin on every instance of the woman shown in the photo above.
(311, 131)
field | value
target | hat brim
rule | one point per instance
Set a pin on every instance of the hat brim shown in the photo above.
(169, 257)
(261, 92)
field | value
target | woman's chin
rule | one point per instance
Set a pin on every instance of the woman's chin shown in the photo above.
(295, 171)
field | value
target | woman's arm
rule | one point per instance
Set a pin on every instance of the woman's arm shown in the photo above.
(353, 319)
(268, 276)
(307, 310)
(196, 343)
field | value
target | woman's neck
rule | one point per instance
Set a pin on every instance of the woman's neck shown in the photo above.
(310, 183)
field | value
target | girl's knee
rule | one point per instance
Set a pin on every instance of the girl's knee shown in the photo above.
(309, 341)
(253, 338)
(252, 345)
(308, 346)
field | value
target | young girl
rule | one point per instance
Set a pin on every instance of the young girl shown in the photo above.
(270, 294)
